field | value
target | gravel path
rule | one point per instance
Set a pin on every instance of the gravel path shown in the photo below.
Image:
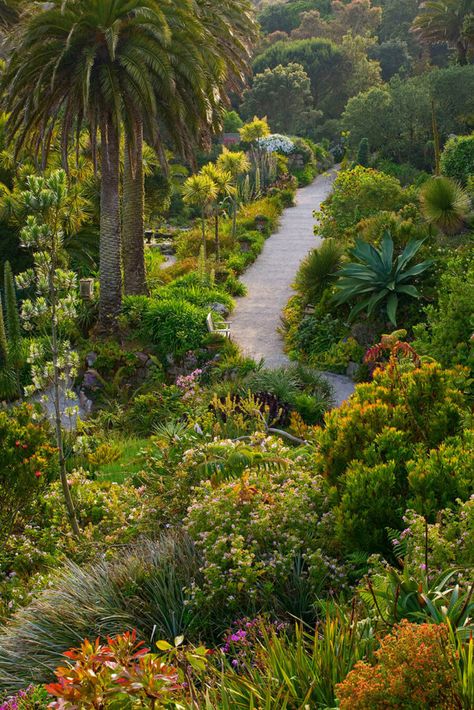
(257, 316)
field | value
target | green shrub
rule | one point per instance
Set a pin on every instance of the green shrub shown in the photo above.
(148, 410)
(457, 158)
(317, 334)
(141, 588)
(338, 356)
(174, 326)
(28, 464)
(358, 193)
(235, 287)
(370, 503)
(363, 153)
(446, 334)
(318, 270)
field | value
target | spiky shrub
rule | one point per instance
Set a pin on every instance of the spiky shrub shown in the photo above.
(378, 278)
(141, 588)
(415, 668)
(445, 204)
(318, 270)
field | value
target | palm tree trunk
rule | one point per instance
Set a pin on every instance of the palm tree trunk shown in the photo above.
(110, 300)
(133, 251)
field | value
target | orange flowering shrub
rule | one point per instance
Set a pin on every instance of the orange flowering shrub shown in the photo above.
(414, 670)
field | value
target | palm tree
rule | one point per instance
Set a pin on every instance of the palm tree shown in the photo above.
(85, 61)
(236, 164)
(209, 54)
(450, 21)
(200, 191)
(445, 204)
(225, 190)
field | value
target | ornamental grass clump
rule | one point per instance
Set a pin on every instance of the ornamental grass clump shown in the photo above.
(139, 588)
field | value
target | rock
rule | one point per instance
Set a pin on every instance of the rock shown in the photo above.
(219, 308)
(90, 359)
(91, 380)
(167, 248)
(142, 357)
(352, 369)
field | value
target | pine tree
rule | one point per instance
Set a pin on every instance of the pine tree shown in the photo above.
(363, 153)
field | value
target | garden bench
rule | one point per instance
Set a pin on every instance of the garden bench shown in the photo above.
(223, 328)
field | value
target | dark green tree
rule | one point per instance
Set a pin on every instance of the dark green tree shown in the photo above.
(283, 94)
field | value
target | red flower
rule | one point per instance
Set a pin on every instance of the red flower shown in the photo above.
(17, 443)
(37, 474)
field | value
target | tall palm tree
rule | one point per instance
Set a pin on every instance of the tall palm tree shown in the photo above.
(94, 62)
(209, 55)
(450, 21)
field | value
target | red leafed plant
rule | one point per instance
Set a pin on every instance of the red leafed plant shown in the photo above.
(392, 348)
(120, 668)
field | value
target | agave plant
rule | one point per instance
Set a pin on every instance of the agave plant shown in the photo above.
(378, 277)
(445, 204)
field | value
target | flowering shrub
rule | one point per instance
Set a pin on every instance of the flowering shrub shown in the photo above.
(450, 540)
(110, 514)
(414, 669)
(27, 463)
(263, 536)
(33, 697)
(276, 143)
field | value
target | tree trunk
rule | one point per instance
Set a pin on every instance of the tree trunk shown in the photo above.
(216, 236)
(133, 252)
(462, 52)
(110, 267)
(203, 229)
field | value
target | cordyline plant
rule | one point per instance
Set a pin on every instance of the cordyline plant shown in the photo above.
(53, 307)
(379, 278)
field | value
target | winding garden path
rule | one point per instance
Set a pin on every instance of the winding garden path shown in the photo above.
(257, 316)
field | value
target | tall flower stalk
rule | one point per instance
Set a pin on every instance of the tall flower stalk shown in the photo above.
(53, 308)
